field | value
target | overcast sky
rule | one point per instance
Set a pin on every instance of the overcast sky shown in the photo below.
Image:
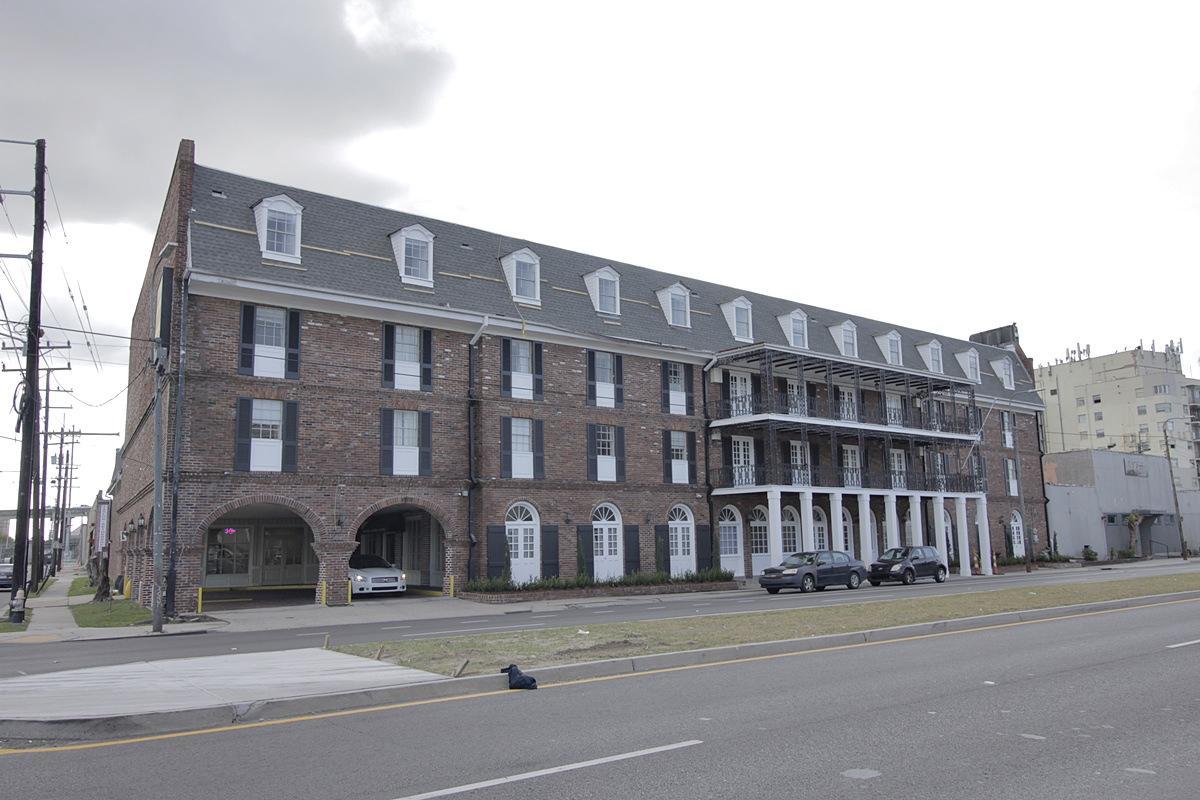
(949, 166)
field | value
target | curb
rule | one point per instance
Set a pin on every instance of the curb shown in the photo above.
(150, 724)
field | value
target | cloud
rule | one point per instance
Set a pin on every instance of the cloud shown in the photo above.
(269, 88)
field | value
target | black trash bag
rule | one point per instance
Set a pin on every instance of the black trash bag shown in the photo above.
(518, 679)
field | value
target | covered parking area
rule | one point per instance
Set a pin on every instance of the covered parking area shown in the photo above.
(409, 537)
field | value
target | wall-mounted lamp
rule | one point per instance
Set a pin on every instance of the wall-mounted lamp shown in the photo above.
(141, 523)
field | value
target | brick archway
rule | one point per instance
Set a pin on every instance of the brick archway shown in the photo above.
(443, 515)
(304, 512)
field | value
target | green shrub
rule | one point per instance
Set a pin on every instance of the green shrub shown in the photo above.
(1089, 554)
(1126, 553)
(505, 584)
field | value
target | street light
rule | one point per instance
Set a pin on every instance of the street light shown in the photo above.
(1174, 491)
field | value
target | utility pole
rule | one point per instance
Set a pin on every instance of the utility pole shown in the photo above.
(160, 377)
(58, 490)
(1183, 551)
(29, 406)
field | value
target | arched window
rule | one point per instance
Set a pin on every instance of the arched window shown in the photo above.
(847, 530)
(607, 545)
(521, 530)
(791, 530)
(758, 532)
(606, 512)
(820, 529)
(682, 537)
(1016, 534)
(679, 514)
(729, 528)
(521, 512)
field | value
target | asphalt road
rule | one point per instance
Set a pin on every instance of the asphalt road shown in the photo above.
(29, 659)
(1089, 707)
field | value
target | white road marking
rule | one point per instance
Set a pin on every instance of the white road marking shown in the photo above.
(604, 612)
(1033, 736)
(1183, 644)
(472, 621)
(702, 604)
(989, 683)
(539, 773)
(472, 630)
(861, 774)
(395, 627)
(321, 633)
(1141, 771)
(540, 616)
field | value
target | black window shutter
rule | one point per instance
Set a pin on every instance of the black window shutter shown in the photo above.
(591, 452)
(687, 389)
(755, 390)
(814, 455)
(727, 452)
(497, 550)
(666, 448)
(863, 459)
(291, 435)
(293, 345)
(246, 355)
(549, 551)
(389, 356)
(506, 447)
(691, 455)
(506, 367)
(759, 460)
(725, 385)
(811, 391)
(241, 434)
(539, 450)
(619, 381)
(586, 559)
(633, 550)
(703, 547)
(424, 443)
(665, 371)
(538, 383)
(619, 449)
(662, 548)
(426, 360)
(591, 377)
(387, 425)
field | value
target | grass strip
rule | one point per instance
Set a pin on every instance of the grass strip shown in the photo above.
(110, 614)
(554, 646)
(80, 586)
(8, 627)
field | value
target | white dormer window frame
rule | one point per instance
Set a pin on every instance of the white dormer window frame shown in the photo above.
(736, 311)
(408, 262)
(605, 302)
(279, 218)
(1004, 371)
(516, 263)
(676, 296)
(969, 361)
(934, 355)
(889, 342)
(840, 333)
(792, 324)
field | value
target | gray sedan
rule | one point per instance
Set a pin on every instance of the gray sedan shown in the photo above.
(815, 570)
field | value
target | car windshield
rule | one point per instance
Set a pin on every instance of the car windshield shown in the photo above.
(800, 559)
(895, 554)
(360, 561)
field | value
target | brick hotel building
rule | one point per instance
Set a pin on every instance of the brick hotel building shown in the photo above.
(344, 376)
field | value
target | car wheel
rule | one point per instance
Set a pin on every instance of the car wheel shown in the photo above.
(875, 583)
(854, 581)
(772, 591)
(807, 584)
(908, 578)
(940, 577)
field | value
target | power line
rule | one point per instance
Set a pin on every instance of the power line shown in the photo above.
(54, 196)
(4, 207)
(80, 330)
(102, 403)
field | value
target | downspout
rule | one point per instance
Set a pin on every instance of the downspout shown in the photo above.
(473, 478)
(713, 538)
(178, 438)
(1050, 545)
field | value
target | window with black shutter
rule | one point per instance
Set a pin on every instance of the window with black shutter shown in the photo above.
(618, 381)
(506, 455)
(497, 551)
(550, 551)
(387, 419)
(691, 455)
(424, 446)
(293, 345)
(633, 550)
(426, 360)
(538, 383)
(591, 452)
(539, 450)
(704, 547)
(619, 448)
(506, 367)
(585, 555)
(241, 433)
(291, 435)
(246, 353)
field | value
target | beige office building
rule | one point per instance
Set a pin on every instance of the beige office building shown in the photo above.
(1122, 401)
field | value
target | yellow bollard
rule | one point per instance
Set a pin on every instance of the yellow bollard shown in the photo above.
(349, 592)
(452, 586)
(323, 592)
(200, 600)
(128, 589)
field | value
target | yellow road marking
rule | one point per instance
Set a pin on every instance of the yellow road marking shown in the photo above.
(560, 684)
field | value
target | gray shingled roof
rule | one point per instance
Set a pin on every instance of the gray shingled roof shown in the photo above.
(338, 224)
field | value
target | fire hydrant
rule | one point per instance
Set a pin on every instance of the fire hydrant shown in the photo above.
(16, 613)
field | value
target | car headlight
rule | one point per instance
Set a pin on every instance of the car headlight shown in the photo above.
(359, 578)
(790, 571)
(897, 567)
(403, 576)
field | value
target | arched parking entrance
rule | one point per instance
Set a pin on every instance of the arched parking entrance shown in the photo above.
(408, 536)
(261, 541)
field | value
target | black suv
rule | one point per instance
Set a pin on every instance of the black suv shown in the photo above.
(906, 564)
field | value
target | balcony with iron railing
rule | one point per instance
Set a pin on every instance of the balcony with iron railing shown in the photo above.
(845, 478)
(962, 419)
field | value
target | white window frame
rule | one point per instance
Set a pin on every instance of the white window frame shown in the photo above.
(792, 323)
(606, 390)
(520, 444)
(666, 297)
(677, 397)
(509, 265)
(679, 457)
(730, 310)
(760, 538)
(742, 460)
(522, 531)
(840, 332)
(595, 281)
(406, 443)
(414, 233)
(266, 435)
(270, 360)
(1010, 473)
(895, 352)
(606, 463)
(800, 462)
(935, 358)
(279, 204)
(522, 386)
(406, 373)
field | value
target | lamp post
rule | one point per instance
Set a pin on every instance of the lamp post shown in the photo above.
(1174, 491)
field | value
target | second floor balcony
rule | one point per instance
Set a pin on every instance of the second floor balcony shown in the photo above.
(799, 477)
(925, 415)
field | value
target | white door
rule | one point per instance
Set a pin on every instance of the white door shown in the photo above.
(791, 531)
(521, 526)
(729, 535)
(682, 535)
(895, 409)
(1016, 532)
(740, 401)
(743, 461)
(851, 466)
(847, 543)
(607, 547)
(899, 469)
(796, 404)
(760, 553)
(820, 529)
(801, 473)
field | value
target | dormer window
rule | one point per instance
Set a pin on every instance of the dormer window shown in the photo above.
(973, 366)
(604, 287)
(893, 351)
(738, 318)
(845, 336)
(935, 357)
(278, 221)
(1004, 371)
(522, 270)
(676, 305)
(413, 247)
(795, 328)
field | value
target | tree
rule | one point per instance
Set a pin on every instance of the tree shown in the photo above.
(1134, 521)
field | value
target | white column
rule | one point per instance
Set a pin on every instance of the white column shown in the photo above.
(964, 538)
(774, 527)
(866, 535)
(835, 520)
(985, 536)
(939, 528)
(914, 516)
(891, 521)
(806, 521)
